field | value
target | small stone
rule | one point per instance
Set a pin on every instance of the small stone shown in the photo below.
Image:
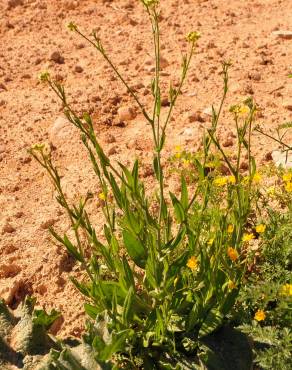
(281, 159)
(110, 139)
(112, 150)
(286, 35)
(57, 57)
(244, 165)
(8, 229)
(256, 76)
(48, 223)
(78, 69)
(61, 129)
(163, 62)
(196, 117)
(14, 3)
(268, 156)
(148, 171)
(287, 104)
(165, 102)
(126, 114)
(228, 142)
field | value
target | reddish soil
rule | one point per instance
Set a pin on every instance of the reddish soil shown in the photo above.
(32, 30)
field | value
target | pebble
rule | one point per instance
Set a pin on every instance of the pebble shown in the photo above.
(78, 69)
(126, 114)
(14, 3)
(287, 104)
(281, 159)
(57, 57)
(110, 139)
(48, 223)
(112, 150)
(256, 76)
(61, 129)
(163, 62)
(228, 142)
(8, 229)
(196, 117)
(283, 34)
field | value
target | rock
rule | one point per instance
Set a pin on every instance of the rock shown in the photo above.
(244, 165)
(163, 62)
(61, 129)
(8, 229)
(256, 76)
(148, 171)
(196, 117)
(78, 69)
(283, 34)
(14, 3)
(287, 104)
(48, 223)
(57, 57)
(126, 114)
(281, 159)
(165, 102)
(228, 142)
(112, 150)
(110, 139)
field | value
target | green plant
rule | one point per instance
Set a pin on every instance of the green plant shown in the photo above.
(169, 271)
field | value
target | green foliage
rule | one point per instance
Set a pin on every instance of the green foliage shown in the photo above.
(163, 280)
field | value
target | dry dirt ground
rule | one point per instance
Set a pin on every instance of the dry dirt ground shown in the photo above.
(34, 37)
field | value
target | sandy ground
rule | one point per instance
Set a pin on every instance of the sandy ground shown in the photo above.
(33, 32)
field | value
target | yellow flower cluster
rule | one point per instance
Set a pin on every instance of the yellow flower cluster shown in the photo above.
(230, 229)
(102, 196)
(232, 254)
(260, 315)
(224, 180)
(240, 109)
(248, 237)
(193, 36)
(260, 228)
(192, 263)
(287, 178)
(286, 290)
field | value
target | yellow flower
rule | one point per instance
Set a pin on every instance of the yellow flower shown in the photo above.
(72, 26)
(231, 179)
(231, 285)
(193, 36)
(287, 177)
(248, 237)
(230, 229)
(271, 191)
(44, 76)
(260, 315)
(210, 241)
(286, 290)
(260, 228)
(186, 162)
(177, 150)
(288, 187)
(243, 110)
(210, 165)
(102, 196)
(232, 254)
(257, 177)
(192, 263)
(220, 181)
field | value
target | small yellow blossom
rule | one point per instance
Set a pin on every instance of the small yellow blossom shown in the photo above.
(288, 187)
(44, 76)
(286, 290)
(230, 229)
(257, 178)
(240, 109)
(210, 241)
(287, 177)
(260, 228)
(186, 162)
(271, 191)
(248, 237)
(102, 196)
(231, 285)
(72, 26)
(260, 315)
(220, 181)
(232, 254)
(231, 180)
(211, 165)
(192, 263)
(193, 36)
(177, 150)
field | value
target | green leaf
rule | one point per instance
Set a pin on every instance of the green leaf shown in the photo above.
(178, 209)
(127, 312)
(184, 193)
(91, 311)
(212, 322)
(135, 248)
(117, 344)
(73, 251)
(40, 317)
